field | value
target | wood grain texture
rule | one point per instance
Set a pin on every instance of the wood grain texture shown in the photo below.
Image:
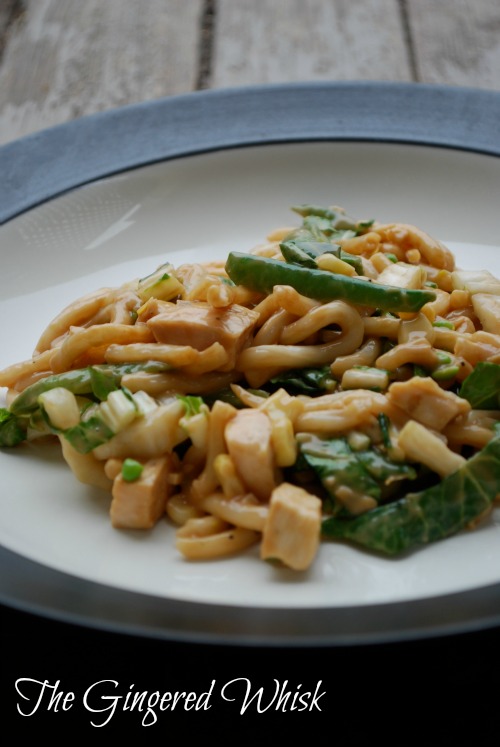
(66, 58)
(8, 11)
(264, 41)
(61, 59)
(456, 42)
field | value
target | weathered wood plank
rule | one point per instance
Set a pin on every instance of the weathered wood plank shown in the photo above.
(456, 42)
(264, 41)
(66, 58)
(61, 59)
(7, 13)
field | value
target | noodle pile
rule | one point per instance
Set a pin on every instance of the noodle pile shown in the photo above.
(250, 417)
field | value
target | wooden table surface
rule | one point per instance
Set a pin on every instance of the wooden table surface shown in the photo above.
(61, 59)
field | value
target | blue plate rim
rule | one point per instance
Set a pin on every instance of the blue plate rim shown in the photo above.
(48, 163)
(42, 166)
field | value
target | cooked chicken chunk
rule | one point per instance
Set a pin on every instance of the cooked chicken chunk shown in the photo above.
(249, 442)
(200, 325)
(140, 503)
(292, 529)
(426, 402)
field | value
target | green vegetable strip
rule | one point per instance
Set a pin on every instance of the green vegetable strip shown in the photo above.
(336, 218)
(12, 429)
(81, 381)
(430, 515)
(383, 422)
(311, 381)
(192, 403)
(305, 253)
(77, 381)
(262, 274)
(89, 434)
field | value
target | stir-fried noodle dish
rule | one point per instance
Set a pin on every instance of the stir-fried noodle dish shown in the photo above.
(340, 382)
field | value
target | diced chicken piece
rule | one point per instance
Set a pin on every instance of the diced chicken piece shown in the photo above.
(292, 529)
(140, 503)
(200, 325)
(426, 402)
(249, 442)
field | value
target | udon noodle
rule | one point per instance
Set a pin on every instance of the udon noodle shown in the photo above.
(341, 380)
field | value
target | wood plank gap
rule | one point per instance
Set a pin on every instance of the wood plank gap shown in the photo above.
(409, 41)
(206, 44)
(10, 12)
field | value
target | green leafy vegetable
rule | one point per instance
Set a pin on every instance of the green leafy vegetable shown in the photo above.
(310, 381)
(366, 472)
(333, 218)
(102, 383)
(321, 228)
(89, 380)
(299, 249)
(12, 429)
(482, 387)
(160, 284)
(429, 515)
(192, 404)
(88, 434)
(384, 423)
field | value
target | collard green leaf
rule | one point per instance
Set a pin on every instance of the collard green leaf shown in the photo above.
(310, 381)
(429, 515)
(482, 387)
(366, 472)
(382, 469)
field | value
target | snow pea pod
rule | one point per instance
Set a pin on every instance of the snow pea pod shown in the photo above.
(78, 381)
(336, 218)
(12, 429)
(430, 515)
(262, 274)
(305, 252)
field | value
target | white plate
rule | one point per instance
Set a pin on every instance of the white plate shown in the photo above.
(201, 207)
